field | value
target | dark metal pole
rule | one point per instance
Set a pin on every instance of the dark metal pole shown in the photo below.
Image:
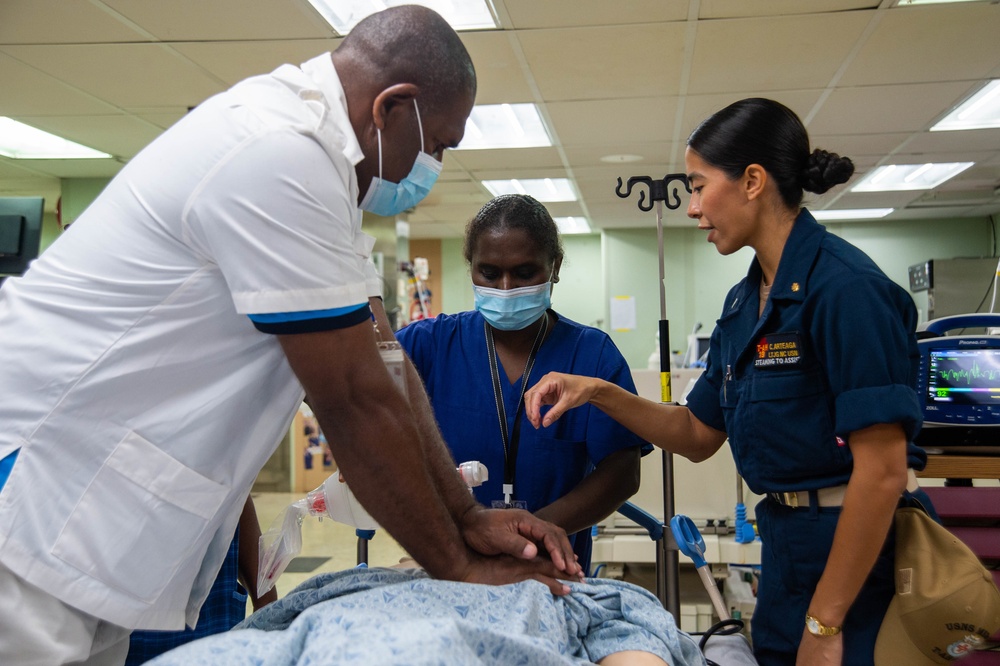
(667, 557)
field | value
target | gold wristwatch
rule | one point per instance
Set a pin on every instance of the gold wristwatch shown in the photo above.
(817, 628)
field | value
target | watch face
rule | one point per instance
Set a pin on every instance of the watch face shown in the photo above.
(814, 627)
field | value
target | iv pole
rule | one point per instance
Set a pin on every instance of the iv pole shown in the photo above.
(667, 561)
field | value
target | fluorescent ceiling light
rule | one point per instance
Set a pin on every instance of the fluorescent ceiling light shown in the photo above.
(504, 126)
(543, 189)
(851, 213)
(898, 177)
(343, 15)
(572, 225)
(981, 111)
(24, 142)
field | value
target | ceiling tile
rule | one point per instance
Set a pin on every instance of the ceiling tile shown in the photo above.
(234, 61)
(499, 73)
(123, 75)
(223, 20)
(61, 22)
(774, 53)
(28, 91)
(607, 62)
(632, 121)
(527, 14)
(908, 108)
(717, 9)
(512, 158)
(929, 43)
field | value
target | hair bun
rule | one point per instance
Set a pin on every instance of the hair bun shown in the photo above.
(824, 170)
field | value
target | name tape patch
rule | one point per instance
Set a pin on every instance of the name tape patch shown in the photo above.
(778, 350)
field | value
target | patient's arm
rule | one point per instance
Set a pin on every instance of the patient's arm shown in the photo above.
(599, 494)
(632, 658)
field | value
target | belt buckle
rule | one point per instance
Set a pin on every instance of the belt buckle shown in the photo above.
(790, 499)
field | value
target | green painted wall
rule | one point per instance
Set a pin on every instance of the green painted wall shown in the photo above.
(697, 277)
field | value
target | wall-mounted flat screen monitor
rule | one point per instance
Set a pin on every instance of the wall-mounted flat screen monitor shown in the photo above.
(20, 233)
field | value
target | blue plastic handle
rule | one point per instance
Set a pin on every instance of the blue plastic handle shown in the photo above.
(689, 539)
(645, 519)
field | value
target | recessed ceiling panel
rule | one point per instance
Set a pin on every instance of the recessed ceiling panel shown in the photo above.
(513, 158)
(619, 120)
(529, 14)
(717, 9)
(125, 75)
(62, 22)
(857, 145)
(773, 53)
(608, 62)
(877, 109)
(929, 43)
(223, 20)
(28, 91)
(699, 107)
(500, 75)
(234, 61)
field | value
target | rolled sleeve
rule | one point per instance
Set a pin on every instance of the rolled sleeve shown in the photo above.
(871, 359)
(703, 401)
(896, 404)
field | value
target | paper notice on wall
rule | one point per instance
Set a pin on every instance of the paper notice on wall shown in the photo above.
(623, 313)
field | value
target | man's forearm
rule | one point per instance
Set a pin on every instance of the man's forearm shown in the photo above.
(440, 462)
(387, 470)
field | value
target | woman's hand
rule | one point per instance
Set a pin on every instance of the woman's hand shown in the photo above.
(820, 650)
(562, 391)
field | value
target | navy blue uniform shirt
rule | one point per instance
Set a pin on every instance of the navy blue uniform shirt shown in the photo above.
(833, 352)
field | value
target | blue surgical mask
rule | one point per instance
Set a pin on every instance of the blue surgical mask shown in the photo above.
(387, 198)
(513, 309)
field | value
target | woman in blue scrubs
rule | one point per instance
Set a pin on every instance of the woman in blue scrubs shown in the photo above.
(476, 366)
(811, 376)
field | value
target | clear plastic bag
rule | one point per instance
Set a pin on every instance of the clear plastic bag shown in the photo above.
(283, 539)
(279, 545)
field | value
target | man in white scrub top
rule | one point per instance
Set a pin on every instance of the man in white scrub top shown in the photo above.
(153, 357)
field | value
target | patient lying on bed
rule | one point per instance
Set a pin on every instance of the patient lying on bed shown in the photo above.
(401, 616)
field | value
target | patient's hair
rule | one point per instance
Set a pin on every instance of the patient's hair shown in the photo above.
(762, 131)
(515, 211)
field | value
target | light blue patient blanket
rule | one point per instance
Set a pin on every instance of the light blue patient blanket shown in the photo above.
(400, 616)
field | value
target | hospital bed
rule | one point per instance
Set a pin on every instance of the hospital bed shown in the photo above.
(400, 616)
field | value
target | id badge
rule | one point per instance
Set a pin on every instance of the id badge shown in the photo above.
(395, 363)
(513, 504)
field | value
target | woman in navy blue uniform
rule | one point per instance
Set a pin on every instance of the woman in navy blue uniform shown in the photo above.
(476, 366)
(811, 376)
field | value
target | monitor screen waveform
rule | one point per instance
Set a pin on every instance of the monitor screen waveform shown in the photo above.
(964, 376)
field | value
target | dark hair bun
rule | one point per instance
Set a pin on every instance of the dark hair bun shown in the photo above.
(824, 170)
